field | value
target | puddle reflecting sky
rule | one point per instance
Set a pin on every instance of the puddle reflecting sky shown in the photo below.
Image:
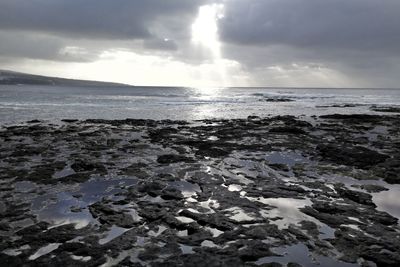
(55, 207)
(114, 232)
(287, 210)
(385, 200)
(300, 254)
(290, 158)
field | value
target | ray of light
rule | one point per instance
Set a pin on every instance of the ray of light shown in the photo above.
(205, 36)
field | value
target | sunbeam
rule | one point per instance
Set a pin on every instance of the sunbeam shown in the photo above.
(205, 37)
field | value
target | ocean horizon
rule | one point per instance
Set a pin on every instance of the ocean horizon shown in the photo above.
(53, 103)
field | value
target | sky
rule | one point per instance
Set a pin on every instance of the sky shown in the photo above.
(204, 43)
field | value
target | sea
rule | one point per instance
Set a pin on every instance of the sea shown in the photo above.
(53, 103)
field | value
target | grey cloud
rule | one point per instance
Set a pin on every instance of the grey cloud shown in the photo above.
(373, 69)
(21, 44)
(48, 29)
(358, 38)
(355, 24)
(161, 44)
(121, 19)
(39, 46)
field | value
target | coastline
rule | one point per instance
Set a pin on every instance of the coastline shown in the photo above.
(219, 191)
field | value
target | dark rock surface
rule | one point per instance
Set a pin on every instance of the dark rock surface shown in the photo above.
(277, 99)
(357, 156)
(386, 109)
(240, 192)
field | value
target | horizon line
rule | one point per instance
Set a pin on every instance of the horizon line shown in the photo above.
(122, 84)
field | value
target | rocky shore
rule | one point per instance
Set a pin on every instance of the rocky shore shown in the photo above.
(274, 191)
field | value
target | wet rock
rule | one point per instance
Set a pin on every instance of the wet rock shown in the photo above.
(279, 167)
(355, 244)
(357, 156)
(128, 263)
(11, 260)
(170, 193)
(24, 151)
(33, 229)
(390, 170)
(16, 212)
(341, 106)
(174, 223)
(353, 118)
(167, 177)
(255, 250)
(173, 158)
(123, 242)
(158, 135)
(383, 218)
(132, 122)
(262, 231)
(153, 188)
(76, 209)
(84, 166)
(200, 259)
(18, 174)
(152, 211)
(310, 227)
(39, 235)
(276, 191)
(372, 188)
(326, 214)
(356, 196)
(33, 121)
(287, 130)
(297, 233)
(334, 214)
(226, 159)
(203, 178)
(150, 253)
(386, 109)
(277, 99)
(69, 120)
(136, 169)
(44, 173)
(74, 178)
(217, 221)
(210, 151)
(392, 178)
(272, 264)
(107, 215)
(4, 226)
(253, 117)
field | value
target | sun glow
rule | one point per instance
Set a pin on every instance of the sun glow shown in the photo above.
(207, 68)
(205, 28)
(205, 38)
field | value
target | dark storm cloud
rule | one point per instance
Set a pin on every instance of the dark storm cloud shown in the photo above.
(46, 29)
(122, 19)
(358, 38)
(338, 24)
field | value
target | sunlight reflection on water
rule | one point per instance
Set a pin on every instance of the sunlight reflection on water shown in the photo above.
(22, 103)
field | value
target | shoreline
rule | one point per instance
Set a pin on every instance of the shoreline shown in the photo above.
(219, 191)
